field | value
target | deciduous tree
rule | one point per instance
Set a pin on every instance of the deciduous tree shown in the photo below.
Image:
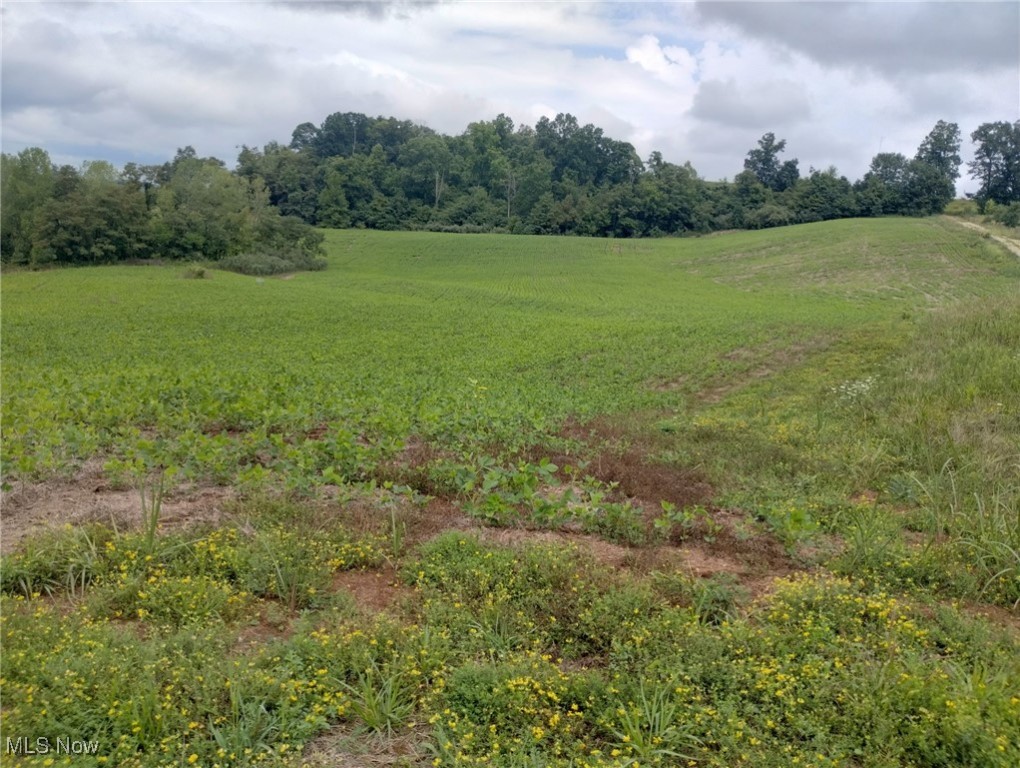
(996, 163)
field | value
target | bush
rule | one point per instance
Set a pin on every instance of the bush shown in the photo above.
(260, 263)
(769, 216)
(1008, 215)
(195, 272)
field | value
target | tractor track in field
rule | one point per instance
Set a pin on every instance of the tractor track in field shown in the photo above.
(1010, 244)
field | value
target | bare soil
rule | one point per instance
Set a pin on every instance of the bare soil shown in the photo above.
(376, 591)
(88, 498)
(617, 453)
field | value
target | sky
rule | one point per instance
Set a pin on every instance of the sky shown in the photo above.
(700, 82)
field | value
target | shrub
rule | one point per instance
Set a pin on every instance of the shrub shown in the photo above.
(261, 263)
(195, 272)
(768, 216)
(1007, 215)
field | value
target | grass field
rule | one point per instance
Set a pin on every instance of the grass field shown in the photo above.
(747, 499)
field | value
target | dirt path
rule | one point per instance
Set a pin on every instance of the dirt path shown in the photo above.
(1011, 244)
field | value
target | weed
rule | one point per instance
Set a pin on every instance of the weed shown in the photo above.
(66, 560)
(680, 523)
(381, 699)
(872, 542)
(792, 524)
(250, 726)
(649, 731)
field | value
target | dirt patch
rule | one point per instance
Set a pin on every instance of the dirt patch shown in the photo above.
(650, 481)
(671, 385)
(865, 498)
(438, 515)
(273, 624)
(754, 559)
(618, 453)
(412, 467)
(376, 591)
(1007, 618)
(88, 498)
(754, 563)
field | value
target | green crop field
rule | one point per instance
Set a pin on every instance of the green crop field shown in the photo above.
(746, 499)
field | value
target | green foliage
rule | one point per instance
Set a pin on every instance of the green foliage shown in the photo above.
(996, 163)
(851, 382)
(192, 208)
(262, 264)
(559, 177)
(713, 600)
(67, 560)
(381, 699)
(1007, 215)
(28, 182)
(705, 684)
(649, 730)
(764, 163)
(941, 150)
(196, 272)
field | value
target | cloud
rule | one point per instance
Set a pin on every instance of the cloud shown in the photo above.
(671, 64)
(766, 105)
(372, 9)
(892, 38)
(138, 80)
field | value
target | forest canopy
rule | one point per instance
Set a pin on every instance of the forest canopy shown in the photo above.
(556, 177)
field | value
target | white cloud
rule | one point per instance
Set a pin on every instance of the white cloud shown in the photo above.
(699, 84)
(673, 64)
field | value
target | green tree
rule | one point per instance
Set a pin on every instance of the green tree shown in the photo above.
(764, 163)
(341, 135)
(996, 163)
(92, 218)
(333, 209)
(882, 190)
(304, 138)
(28, 181)
(926, 190)
(824, 195)
(668, 197)
(941, 150)
(203, 212)
(427, 160)
(748, 193)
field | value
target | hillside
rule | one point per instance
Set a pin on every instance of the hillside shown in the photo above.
(487, 499)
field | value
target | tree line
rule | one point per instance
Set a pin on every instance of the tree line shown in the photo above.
(191, 208)
(556, 177)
